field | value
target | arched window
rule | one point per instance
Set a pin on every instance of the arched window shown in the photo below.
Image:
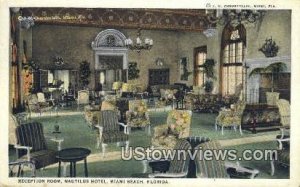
(232, 55)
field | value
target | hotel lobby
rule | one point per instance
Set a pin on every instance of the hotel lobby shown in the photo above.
(88, 86)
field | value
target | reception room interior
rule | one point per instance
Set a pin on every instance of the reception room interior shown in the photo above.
(88, 86)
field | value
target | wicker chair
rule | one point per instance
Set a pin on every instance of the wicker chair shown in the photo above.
(137, 115)
(109, 131)
(31, 146)
(283, 152)
(34, 106)
(217, 168)
(170, 168)
(231, 117)
(83, 98)
(284, 111)
(178, 126)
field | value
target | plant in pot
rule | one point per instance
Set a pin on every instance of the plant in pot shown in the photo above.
(84, 74)
(208, 70)
(274, 69)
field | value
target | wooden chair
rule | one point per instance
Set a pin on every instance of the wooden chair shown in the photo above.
(31, 146)
(218, 168)
(83, 98)
(109, 131)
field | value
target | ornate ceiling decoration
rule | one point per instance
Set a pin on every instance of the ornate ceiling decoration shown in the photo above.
(169, 19)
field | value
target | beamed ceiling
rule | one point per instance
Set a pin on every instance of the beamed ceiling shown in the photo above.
(169, 19)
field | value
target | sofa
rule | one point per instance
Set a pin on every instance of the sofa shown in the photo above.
(203, 102)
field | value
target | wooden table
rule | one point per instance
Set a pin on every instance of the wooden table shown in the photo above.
(73, 155)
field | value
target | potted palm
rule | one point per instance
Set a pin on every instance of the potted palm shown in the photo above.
(208, 70)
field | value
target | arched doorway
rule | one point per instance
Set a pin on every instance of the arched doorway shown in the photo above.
(111, 58)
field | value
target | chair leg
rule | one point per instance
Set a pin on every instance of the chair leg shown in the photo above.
(241, 132)
(103, 149)
(216, 126)
(127, 146)
(272, 168)
(98, 143)
(33, 170)
(145, 165)
(234, 128)
(149, 130)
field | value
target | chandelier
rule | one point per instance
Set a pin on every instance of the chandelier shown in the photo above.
(234, 17)
(58, 61)
(139, 45)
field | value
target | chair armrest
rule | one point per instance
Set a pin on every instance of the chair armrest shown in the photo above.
(100, 131)
(280, 142)
(125, 127)
(241, 169)
(168, 175)
(284, 131)
(27, 148)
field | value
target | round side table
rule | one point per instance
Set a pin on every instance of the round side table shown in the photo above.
(73, 155)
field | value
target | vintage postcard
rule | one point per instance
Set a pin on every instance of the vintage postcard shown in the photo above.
(129, 93)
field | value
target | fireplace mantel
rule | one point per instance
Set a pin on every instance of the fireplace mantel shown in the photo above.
(253, 81)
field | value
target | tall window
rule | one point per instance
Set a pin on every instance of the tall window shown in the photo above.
(233, 51)
(200, 57)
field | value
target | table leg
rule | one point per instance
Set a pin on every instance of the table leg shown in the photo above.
(74, 171)
(71, 169)
(59, 162)
(85, 168)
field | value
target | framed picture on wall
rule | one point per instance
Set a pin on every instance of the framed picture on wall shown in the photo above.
(183, 69)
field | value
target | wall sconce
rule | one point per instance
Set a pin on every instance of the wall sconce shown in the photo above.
(160, 62)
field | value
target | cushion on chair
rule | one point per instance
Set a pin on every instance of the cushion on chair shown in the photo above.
(137, 115)
(179, 122)
(210, 168)
(111, 137)
(41, 158)
(178, 126)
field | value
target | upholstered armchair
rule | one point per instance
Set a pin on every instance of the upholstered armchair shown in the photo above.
(178, 126)
(83, 98)
(283, 152)
(137, 115)
(218, 168)
(109, 131)
(91, 114)
(231, 117)
(284, 111)
(31, 146)
(117, 87)
(34, 106)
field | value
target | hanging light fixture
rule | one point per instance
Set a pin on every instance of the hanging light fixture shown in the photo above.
(139, 45)
(58, 61)
(234, 17)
